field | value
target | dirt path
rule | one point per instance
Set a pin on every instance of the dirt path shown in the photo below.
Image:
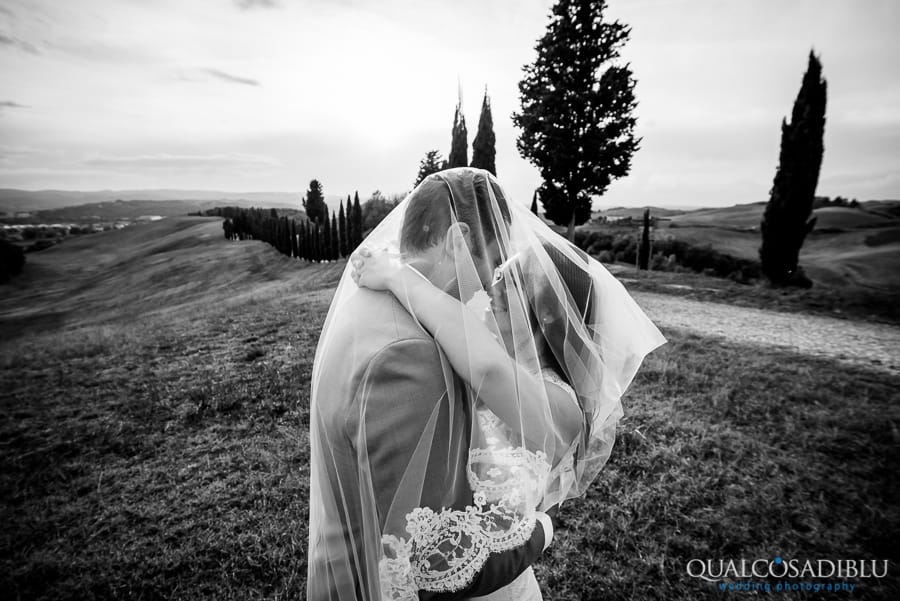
(857, 342)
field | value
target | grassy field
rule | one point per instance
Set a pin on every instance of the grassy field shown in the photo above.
(154, 387)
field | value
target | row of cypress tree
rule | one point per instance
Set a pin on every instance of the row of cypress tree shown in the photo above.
(327, 238)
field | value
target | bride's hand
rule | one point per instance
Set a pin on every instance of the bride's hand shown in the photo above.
(375, 269)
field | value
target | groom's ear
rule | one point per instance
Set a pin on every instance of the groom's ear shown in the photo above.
(458, 239)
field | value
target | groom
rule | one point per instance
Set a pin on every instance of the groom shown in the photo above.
(387, 411)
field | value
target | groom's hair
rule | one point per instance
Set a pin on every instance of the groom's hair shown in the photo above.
(433, 207)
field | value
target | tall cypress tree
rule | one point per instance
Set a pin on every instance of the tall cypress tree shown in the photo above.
(357, 219)
(786, 220)
(342, 231)
(317, 243)
(483, 147)
(534, 207)
(279, 233)
(288, 245)
(348, 236)
(644, 248)
(301, 241)
(335, 239)
(326, 237)
(459, 141)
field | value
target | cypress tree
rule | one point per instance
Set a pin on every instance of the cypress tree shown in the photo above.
(534, 208)
(276, 234)
(786, 220)
(459, 141)
(308, 241)
(357, 219)
(483, 147)
(342, 231)
(348, 228)
(351, 229)
(335, 239)
(295, 249)
(644, 249)
(317, 243)
(279, 235)
(326, 238)
(301, 241)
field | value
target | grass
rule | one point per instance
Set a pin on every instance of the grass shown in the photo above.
(729, 453)
(162, 454)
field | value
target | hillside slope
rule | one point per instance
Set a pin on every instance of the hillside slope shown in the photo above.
(170, 266)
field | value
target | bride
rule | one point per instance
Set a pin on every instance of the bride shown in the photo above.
(546, 348)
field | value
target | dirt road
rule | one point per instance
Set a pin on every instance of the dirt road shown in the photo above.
(856, 342)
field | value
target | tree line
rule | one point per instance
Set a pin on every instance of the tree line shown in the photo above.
(324, 235)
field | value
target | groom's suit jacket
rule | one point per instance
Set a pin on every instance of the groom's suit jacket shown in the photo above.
(396, 366)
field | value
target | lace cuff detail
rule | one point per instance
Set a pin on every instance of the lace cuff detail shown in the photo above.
(445, 550)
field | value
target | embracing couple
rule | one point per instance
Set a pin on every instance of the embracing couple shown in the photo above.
(468, 379)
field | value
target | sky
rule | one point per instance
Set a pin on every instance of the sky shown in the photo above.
(265, 95)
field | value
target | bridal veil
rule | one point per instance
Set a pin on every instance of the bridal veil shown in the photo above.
(417, 475)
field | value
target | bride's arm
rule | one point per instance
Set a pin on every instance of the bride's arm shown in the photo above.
(490, 370)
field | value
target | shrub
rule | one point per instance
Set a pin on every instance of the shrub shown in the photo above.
(12, 260)
(669, 254)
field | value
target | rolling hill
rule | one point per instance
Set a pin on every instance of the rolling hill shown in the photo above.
(749, 217)
(14, 200)
(175, 266)
(133, 209)
(848, 246)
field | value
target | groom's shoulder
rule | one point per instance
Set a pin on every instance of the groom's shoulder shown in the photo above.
(379, 318)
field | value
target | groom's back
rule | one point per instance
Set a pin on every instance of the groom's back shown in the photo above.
(367, 322)
(384, 394)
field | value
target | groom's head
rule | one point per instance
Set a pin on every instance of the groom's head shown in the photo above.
(452, 222)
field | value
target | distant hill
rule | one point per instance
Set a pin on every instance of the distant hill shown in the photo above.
(133, 209)
(13, 200)
(748, 216)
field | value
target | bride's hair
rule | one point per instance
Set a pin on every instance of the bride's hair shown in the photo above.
(435, 204)
(551, 304)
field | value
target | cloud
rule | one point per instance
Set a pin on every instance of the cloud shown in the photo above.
(251, 4)
(9, 104)
(23, 45)
(231, 78)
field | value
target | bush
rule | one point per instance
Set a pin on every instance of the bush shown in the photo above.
(669, 254)
(12, 260)
(40, 245)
